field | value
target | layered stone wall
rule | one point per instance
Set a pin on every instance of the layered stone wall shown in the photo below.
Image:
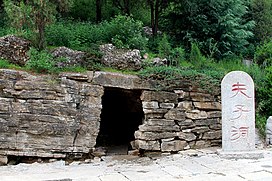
(52, 116)
(48, 116)
(179, 120)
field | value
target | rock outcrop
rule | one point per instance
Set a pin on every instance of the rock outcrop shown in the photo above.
(52, 116)
(48, 117)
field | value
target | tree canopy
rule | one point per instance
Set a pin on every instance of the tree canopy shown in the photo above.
(219, 27)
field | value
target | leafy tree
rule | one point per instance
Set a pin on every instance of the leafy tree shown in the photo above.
(217, 25)
(261, 12)
(1, 5)
(123, 5)
(34, 15)
(98, 10)
(156, 8)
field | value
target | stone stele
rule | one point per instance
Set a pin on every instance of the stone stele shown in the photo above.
(238, 116)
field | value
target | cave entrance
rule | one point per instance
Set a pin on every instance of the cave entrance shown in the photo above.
(121, 115)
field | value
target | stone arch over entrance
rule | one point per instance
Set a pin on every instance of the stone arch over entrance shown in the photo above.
(121, 115)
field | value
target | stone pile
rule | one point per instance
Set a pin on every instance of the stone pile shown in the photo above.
(71, 57)
(121, 59)
(14, 49)
(178, 120)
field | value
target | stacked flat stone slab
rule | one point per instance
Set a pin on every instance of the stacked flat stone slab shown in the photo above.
(45, 117)
(238, 116)
(52, 116)
(178, 120)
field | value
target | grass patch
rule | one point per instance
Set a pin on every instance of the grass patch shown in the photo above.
(205, 80)
(4, 64)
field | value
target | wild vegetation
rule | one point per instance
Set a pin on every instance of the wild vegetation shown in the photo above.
(199, 38)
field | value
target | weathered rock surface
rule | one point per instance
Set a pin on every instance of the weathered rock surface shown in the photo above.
(121, 59)
(175, 145)
(179, 120)
(70, 57)
(14, 49)
(3, 160)
(159, 62)
(52, 116)
(110, 79)
(45, 117)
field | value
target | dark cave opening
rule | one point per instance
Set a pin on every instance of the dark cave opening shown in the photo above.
(121, 115)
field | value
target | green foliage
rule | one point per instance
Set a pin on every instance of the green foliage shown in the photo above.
(125, 32)
(261, 12)
(263, 54)
(83, 10)
(40, 61)
(177, 56)
(141, 12)
(122, 31)
(207, 81)
(218, 26)
(260, 124)
(164, 47)
(195, 56)
(264, 93)
(4, 64)
(31, 16)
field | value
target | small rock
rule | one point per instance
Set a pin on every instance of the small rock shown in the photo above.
(159, 61)
(87, 161)
(75, 163)
(97, 160)
(191, 153)
(187, 147)
(99, 152)
(52, 160)
(3, 160)
(134, 152)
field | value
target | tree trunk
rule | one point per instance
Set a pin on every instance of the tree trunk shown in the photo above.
(41, 21)
(156, 23)
(126, 7)
(1, 5)
(151, 3)
(98, 11)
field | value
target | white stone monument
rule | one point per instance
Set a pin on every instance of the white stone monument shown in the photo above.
(238, 116)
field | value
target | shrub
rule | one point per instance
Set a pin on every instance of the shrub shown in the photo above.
(177, 56)
(40, 61)
(126, 32)
(195, 56)
(122, 31)
(164, 47)
(204, 80)
(263, 54)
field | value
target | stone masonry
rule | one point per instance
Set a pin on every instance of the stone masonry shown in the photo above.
(178, 120)
(52, 116)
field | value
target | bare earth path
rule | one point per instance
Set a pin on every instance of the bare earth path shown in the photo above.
(197, 165)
